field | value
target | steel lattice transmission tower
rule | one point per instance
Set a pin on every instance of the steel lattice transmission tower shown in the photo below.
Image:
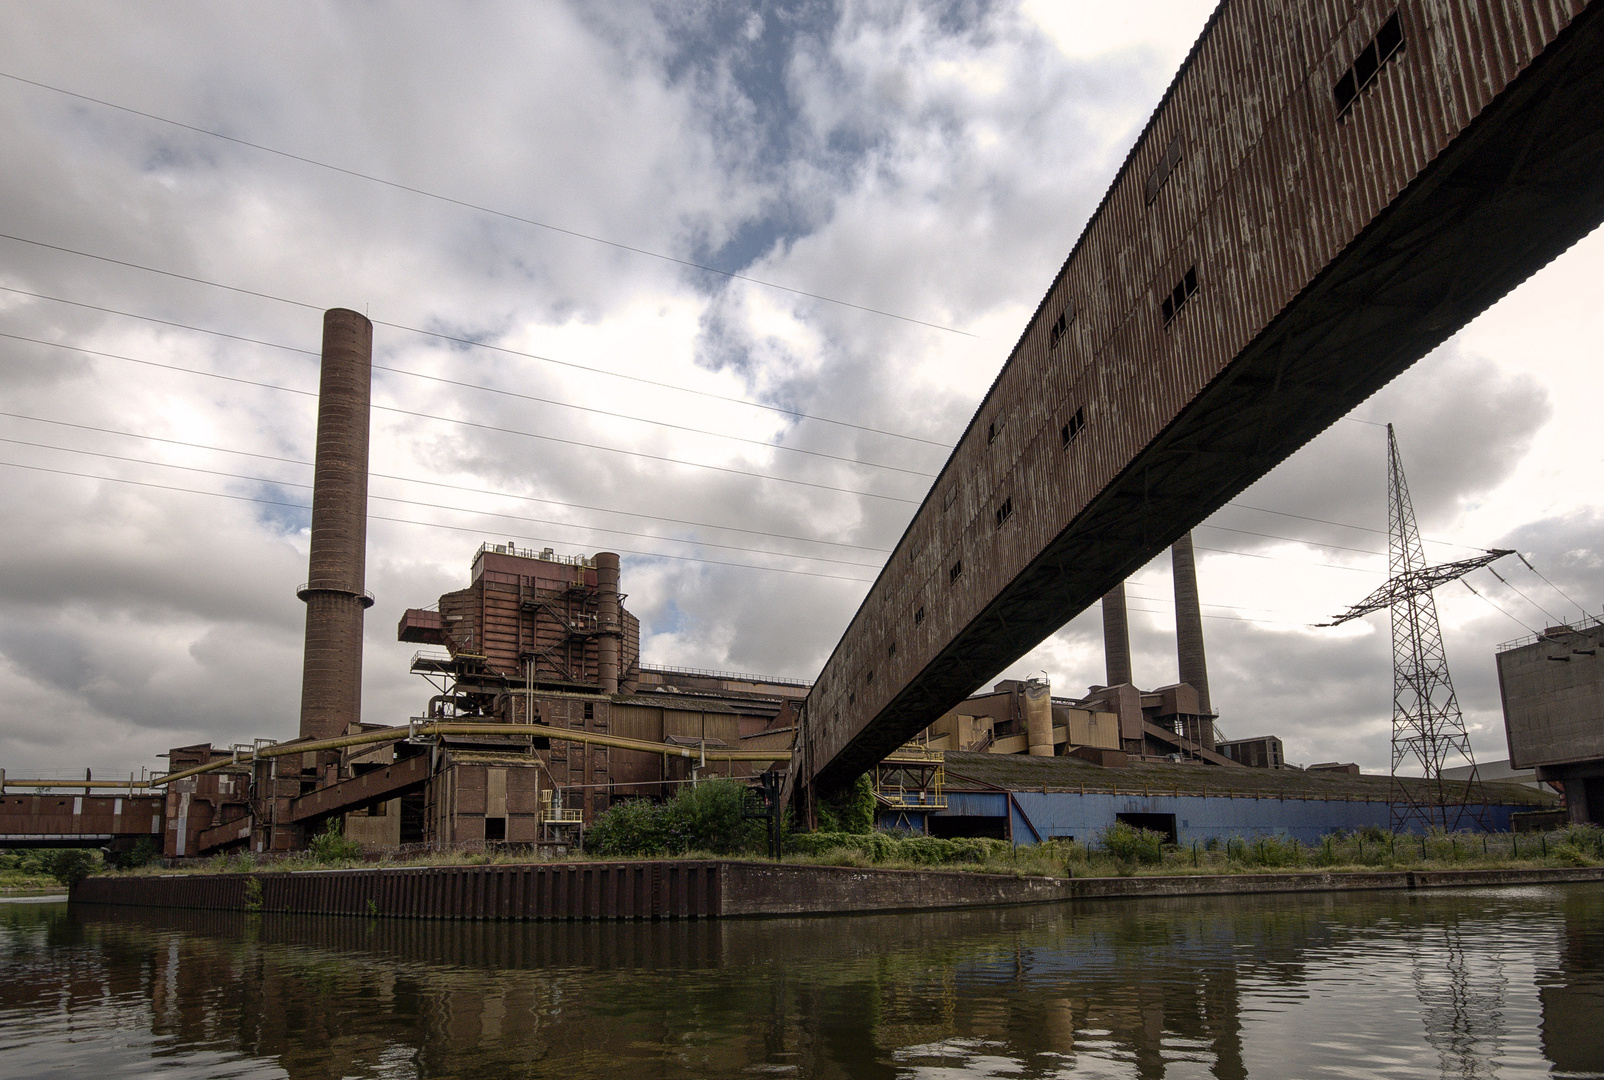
(1427, 726)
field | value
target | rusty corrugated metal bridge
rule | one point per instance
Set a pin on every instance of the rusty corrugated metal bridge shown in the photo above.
(1328, 190)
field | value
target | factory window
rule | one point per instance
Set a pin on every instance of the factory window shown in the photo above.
(956, 572)
(1076, 425)
(994, 428)
(919, 616)
(852, 698)
(1387, 43)
(965, 825)
(495, 828)
(1061, 325)
(869, 678)
(590, 711)
(891, 650)
(1161, 171)
(1005, 511)
(1184, 290)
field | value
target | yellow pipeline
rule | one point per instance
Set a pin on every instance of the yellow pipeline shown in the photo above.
(395, 734)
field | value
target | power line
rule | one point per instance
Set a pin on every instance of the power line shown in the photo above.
(476, 344)
(398, 186)
(461, 341)
(435, 506)
(450, 487)
(1343, 524)
(1225, 618)
(1278, 558)
(469, 386)
(476, 424)
(1550, 584)
(1292, 540)
(1546, 613)
(1489, 601)
(421, 524)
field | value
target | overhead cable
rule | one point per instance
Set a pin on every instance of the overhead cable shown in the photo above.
(435, 506)
(1546, 613)
(1496, 607)
(398, 186)
(450, 487)
(481, 426)
(467, 386)
(421, 524)
(479, 344)
(1550, 584)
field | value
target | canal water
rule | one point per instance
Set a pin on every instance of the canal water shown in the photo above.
(1472, 983)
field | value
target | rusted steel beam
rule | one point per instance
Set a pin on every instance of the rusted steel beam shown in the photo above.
(400, 778)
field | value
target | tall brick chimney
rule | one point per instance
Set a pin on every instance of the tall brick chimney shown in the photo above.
(1116, 637)
(331, 678)
(1189, 622)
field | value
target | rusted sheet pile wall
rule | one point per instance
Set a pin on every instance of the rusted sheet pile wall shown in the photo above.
(1267, 257)
(779, 889)
(642, 890)
(670, 890)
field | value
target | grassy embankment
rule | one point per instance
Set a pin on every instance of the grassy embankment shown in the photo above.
(1119, 852)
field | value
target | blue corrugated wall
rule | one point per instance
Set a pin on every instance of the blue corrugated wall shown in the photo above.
(1036, 816)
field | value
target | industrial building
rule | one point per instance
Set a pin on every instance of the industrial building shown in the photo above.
(1552, 686)
(1028, 799)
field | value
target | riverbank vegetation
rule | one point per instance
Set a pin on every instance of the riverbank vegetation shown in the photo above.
(715, 820)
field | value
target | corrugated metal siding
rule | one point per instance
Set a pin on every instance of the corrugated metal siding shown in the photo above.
(1269, 190)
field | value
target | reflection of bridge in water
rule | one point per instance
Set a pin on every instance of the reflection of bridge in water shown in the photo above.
(1326, 193)
(1132, 988)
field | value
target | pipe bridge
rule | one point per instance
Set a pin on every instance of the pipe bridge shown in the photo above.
(1327, 191)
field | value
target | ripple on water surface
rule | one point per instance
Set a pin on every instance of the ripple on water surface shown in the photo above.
(1506, 983)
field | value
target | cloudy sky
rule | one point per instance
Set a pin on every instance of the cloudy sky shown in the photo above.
(714, 286)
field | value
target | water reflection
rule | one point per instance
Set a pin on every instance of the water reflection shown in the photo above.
(1472, 984)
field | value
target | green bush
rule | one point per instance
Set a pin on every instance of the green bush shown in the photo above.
(850, 810)
(71, 865)
(145, 852)
(633, 827)
(710, 816)
(331, 845)
(883, 847)
(1132, 845)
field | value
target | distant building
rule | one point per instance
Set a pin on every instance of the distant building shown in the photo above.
(1259, 752)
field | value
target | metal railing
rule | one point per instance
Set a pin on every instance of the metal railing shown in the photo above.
(736, 675)
(544, 555)
(306, 587)
(1585, 623)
